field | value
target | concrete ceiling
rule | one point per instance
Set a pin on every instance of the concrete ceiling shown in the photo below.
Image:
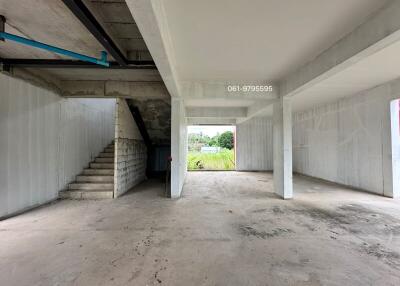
(51, 22)
(367, 73)
(117, 20)
(371, 71)
(201, 46)
(46, 21)
(259, 39)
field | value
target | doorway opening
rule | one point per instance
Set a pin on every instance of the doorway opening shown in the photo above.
(211, 148)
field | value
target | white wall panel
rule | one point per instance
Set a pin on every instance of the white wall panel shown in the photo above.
(45, 141)
(254, 145)
(87, 127)
(348, 141)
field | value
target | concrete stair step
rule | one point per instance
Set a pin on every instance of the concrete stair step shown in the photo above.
(91, 186)
(94, 179)
(109, 150)
(81, 195)
(102, 165)
(98, 172)
(104, 160)
(106, 155)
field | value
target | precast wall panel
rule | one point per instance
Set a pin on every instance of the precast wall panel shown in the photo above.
(254, 149)
(45, 141)
(347, 141)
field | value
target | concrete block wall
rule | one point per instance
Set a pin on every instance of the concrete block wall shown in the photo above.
(131, 164)
(45, 140)
(349, 141)
(254, 145)
(130, 151)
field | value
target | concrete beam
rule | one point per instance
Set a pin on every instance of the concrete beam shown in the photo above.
(123, 89)
(211, 121)
(216, 112)
(378, 32)
(38, 78)
(221, 90)
(150, 18)
(257, 108)
(282, 148)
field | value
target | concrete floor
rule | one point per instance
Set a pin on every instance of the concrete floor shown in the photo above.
(228, 229)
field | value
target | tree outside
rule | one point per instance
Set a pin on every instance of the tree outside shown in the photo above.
(225, 140)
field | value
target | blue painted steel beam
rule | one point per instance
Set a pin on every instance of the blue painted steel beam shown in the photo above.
(103, 61)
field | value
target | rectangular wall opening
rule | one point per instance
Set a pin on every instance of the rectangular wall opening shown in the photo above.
(211, 148)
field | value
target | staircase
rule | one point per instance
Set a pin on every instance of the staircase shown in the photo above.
(95, 182)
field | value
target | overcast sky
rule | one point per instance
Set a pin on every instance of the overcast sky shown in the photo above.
(210, 130)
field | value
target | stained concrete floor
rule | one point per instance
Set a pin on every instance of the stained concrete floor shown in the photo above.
(228, 229)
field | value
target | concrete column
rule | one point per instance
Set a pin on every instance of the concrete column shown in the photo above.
(282, 145)
(178, 146)
(391, 150)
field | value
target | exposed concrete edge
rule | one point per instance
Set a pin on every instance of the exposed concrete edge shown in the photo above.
(211, 121)
(43, 81)
(380, 31)
(257, 109)
(150, 18)
(114, 89)
(30, 208)
(216, 112)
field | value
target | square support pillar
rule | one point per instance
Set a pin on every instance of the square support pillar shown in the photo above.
(282, 147)
(391, 150)
(178, 146)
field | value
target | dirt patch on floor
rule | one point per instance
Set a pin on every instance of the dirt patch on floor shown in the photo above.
(246, 230)
(391, 258)
(352, 218)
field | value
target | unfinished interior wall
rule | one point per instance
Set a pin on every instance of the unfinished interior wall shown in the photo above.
(130, 151)
(87, 127)
(156, 114)
(45, 140)
(254, 145)
(349, 141)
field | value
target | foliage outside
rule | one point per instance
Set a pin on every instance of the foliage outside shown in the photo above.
(224, 140)
(223, 160)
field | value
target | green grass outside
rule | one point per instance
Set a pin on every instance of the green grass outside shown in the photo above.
(223, 160)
